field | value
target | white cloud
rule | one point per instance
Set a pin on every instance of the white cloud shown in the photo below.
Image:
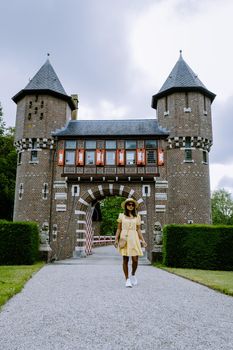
(117, 64)
(103, 110)
(222, 120)
(226, 182)
(220, 177)
(202, 31)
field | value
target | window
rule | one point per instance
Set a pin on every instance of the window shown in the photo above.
(21, 190)
(19, 157)
(187, 142)
(34, 144)
(75, 190)
(110, 158)
(110, 144)
(90, 144)
(188, 151)
(29, 116)
(36, 110)
(205, 157)
(204, 103)
(186, 100)
(205, 110)
(151, 157)
(130, 157)
(34, 156)
(166, 104)
(71, 144)
(34, 153)
(45, 191)
(70, 158)
(146, 190)
(130, 144)
(188, 155)
(41, 116)
(90, 158)
(151, 144)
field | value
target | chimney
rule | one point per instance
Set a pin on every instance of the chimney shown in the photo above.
(74, 115)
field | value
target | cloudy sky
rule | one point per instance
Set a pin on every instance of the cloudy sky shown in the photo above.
(117, 53)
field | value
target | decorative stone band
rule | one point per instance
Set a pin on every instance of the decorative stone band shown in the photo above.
(28, 143)
(160, 208)
(196, 142)
(60, 184)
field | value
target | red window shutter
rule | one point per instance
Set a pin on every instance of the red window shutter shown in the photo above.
(103, 151)
(141, 156)
(80, 157)
(99, 157)
(160, 156)
(120, 157)
(60, 160)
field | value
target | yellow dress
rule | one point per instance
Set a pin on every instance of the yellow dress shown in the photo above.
(129, 232)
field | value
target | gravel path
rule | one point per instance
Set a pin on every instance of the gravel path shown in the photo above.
(83, 304)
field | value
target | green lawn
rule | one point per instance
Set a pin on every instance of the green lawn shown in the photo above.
(13, 278)
(221, 281)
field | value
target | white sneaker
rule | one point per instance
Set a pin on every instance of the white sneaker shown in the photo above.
(133, 280)
(128, 283)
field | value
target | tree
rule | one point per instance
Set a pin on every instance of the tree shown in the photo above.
(222, 207)
(8, 163)
(110, 209)
(2, 123)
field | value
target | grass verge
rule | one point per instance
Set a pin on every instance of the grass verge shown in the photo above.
(13, 279)
(221, 281)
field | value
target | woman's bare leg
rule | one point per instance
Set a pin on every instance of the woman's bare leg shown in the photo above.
(134, 264)
(125, 266)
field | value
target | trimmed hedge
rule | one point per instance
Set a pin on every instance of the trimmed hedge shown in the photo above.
(204, 247)
(19, 243)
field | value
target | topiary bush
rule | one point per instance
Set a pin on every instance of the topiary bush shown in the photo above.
(198, 246)
(19, 243)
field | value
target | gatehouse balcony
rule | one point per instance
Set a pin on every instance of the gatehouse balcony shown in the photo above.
(110, 160)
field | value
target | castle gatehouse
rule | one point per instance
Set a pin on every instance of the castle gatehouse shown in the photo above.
(66, 165)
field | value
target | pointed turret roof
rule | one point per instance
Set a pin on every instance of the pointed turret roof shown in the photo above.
(45, 81)
(181, 78)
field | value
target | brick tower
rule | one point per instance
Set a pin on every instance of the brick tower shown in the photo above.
(183, 106)
(42, 107)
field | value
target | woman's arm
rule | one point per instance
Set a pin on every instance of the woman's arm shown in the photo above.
(118, 231)
(141, 236)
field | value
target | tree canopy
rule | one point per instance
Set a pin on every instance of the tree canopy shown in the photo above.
(110, 209)
(8, 163)
(222, 207)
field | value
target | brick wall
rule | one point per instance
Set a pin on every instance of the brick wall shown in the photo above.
(188, 182)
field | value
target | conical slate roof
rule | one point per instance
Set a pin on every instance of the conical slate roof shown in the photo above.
(45, 81)
(181, 78)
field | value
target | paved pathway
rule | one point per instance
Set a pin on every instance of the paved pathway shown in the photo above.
(83, 304)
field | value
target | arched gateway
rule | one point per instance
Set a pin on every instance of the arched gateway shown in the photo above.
(66, 164)
(84, 211)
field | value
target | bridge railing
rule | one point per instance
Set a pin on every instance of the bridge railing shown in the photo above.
(102, 240)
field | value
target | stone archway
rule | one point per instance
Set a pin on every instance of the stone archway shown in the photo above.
(84, 210)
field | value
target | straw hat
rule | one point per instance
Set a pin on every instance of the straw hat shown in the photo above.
(127, 201)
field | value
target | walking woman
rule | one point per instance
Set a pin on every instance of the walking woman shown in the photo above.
(128, 237)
